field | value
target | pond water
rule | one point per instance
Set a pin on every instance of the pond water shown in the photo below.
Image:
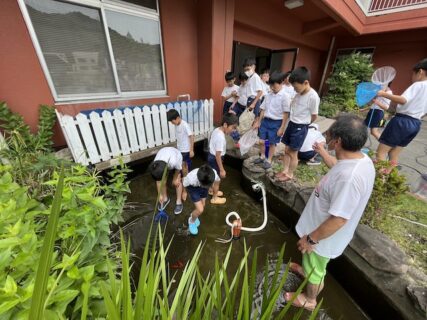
(337, 304)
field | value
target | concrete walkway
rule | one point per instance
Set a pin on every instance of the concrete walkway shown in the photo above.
(413, 159)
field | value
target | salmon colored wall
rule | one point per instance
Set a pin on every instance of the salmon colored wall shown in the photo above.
(398, 49)
(311, 58)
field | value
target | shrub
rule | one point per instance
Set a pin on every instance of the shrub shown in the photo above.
(348, 72)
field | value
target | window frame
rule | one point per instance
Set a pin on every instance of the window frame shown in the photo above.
(102, 5)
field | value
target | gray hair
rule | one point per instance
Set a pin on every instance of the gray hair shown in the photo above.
(351, 130)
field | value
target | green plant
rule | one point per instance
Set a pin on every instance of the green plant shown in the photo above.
(389, 184)
(348, 72)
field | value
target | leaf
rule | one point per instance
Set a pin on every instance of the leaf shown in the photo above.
(10, 287)
(74, 273)
(87, 272)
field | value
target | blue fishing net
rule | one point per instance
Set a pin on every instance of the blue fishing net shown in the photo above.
(365, 92)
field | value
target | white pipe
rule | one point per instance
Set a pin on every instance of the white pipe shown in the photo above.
(256, 187)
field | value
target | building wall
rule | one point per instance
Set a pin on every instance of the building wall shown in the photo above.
(400, 50)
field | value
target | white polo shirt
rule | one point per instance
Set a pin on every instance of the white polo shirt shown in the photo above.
(416, 100)
(343, 192)
(254, 84)
(229, 90)
(183, 133)
(171, 156)
(217, 142)
(303, 106)
(275, 104)
(192, 180)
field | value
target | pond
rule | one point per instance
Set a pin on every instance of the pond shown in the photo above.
(337, 303)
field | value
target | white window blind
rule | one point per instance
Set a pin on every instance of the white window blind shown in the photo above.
(90, 49)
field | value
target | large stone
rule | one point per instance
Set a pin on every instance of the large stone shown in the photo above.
(379, 251)
(64, 154)
(419, 297)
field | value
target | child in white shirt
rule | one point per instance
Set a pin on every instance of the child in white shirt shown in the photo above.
(217, 149)
(229, 93)
(304, 110)
(314, 137)
(287, 86)
(405, 125)
(376, 113)
(170, 158)
(239, 105)
(197, 183)
(184, 143)
(255, 86)
(265, 77)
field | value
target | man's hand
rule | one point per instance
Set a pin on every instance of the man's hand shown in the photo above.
(281, 131)
(303, 245)
(319, 147)
(191, 154)
(222, 173)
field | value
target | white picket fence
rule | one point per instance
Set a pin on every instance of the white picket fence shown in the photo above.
(110, 134)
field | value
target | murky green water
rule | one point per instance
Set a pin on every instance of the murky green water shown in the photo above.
(337, 304)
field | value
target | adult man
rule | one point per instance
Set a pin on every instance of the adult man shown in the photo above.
(335, 207)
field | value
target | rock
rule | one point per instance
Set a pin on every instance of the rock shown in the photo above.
(419, 297)
(379, 251)
(64, 154)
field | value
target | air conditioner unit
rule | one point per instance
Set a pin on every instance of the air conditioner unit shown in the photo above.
(292, 4)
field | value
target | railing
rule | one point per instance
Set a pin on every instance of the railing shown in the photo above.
(376, 7)
(100, 136)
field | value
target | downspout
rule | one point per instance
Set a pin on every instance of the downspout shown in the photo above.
(325, 69)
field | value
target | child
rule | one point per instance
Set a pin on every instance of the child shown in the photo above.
(405, 125)
(304, 109)
(288, 87)
(197, 183)
(217, 148)
(273, 117)
(239, 105)
(229, 93)
(184, 142)
(255, 86)
(376, 113)
(307, 153)
(265, 77)
(172, 158)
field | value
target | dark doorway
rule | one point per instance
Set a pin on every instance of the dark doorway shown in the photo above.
(280, 60)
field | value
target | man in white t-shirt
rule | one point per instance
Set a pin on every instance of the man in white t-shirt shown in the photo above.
(185, 144)
(172, 159)
(335, 207)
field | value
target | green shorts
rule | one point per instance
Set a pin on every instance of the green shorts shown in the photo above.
(312, 261)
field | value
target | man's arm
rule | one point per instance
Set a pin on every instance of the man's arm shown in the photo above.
(329, 160)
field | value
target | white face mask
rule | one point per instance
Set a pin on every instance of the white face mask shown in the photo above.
(249, 73)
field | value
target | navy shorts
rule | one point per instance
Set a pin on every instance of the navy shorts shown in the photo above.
(306, 155)
(197, 193)
(373, 118)
(212, 162)
(186, 158)
(268, 130)
(295, 135)
(226, 108)
(238, 109)
(400, 131)
(257, 105)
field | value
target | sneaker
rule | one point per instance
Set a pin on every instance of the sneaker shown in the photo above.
(266, 165)
(219, 193)
(259, 161)
(192, 227)
(218, 200)
(178, 208)
(162, 206)
(313, 162)
(197, 222)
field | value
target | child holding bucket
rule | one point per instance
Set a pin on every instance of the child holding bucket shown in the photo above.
(405, 125)
(376, 113)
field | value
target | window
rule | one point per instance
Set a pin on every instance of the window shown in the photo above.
(368, 51)
(92, 49)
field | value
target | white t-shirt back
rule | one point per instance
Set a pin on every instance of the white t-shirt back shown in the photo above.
(303, 106)
(183, 132)
(383, 100)
(416, 100)
(217, 142)
(229, 90)
(171, 156)
(191, 179)
(254, 84)
(343, 192)
(313, 136)
(275, 104)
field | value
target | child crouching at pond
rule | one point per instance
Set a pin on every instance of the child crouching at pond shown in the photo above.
(172, 158)
(197, 183)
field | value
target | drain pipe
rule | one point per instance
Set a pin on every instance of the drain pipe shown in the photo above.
(325, 69)
(236, 225)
